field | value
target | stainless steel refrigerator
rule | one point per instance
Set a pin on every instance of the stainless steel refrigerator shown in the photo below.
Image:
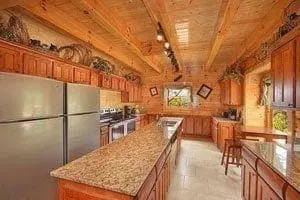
(43, 124)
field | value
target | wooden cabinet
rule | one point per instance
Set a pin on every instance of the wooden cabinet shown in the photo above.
(189, 125)
(105, 81)
(249, 182)
(291, 193)
(104, 136)
(283, 67)
(159, 186)
(196, 126)
(214, 131)
(82, 75)
(10, 59)
(264, 192)
(298, 73)
(231, 92)
(94, 79)
(63, 71)
(225, 131)
(37, 65)
(122, 84)
(115, 83)
(132, 93)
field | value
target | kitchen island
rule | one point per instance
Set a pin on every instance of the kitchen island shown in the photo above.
(134, 167)
(270, 171)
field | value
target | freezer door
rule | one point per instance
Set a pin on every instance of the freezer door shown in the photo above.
(83, 135)
(27, 97)
(82, 98)
(28, 152)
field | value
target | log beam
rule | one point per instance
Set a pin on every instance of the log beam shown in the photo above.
(110, 20)
(58, 19)
(225, 24)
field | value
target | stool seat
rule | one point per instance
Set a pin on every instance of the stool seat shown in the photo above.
(233, 150)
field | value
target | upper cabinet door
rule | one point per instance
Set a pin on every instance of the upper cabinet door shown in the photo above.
(283, 66)
(37, 65)
(10, 59)
(81, 75)
(298, 72)
(63, 72)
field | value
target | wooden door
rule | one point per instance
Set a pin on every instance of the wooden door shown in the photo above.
(235, 93)
(283, 67)
(249, 182)
(122, 84)
(159, 186)
(264, 192)
(298, 72)
(206, 126)
(152, 195)
(37, 65)
(94, 79)
(291, 193)
(63, 71)
(105, 81)
(189, 126)
(10, 59)
(198, 126)
(115, 83)
(225, 132)
(81, 75)
(214, 131)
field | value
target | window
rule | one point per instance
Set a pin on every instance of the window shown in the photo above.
(280, 120)
(178, 96)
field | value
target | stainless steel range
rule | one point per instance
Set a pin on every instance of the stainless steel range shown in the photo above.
(119, 124)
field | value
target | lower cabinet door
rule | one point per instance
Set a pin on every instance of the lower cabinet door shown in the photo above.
(159, 186)
(249, 182)
(152, 195)
(264, 192)
(292, 193)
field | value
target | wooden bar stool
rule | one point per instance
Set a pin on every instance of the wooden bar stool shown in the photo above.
(233, 152)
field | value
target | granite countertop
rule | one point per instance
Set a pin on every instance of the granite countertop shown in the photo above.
(227, 120)
(280, 158)
(123, 165)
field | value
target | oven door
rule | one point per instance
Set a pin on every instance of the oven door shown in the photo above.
(116, 131)
(130, 126)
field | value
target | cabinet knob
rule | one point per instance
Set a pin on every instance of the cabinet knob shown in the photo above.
(290, 104)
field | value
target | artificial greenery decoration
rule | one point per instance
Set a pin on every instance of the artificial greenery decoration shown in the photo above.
(233, 73)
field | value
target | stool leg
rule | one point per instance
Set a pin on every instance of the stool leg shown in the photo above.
(224, 151)
(227, 160)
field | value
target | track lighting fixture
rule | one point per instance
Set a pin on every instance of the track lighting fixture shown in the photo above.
(167, 45)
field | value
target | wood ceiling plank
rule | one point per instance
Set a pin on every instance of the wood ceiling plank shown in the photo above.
(52, 15)
(11, 3)
(158, 14)
(266, 27)
(226, 22)
(109, 19)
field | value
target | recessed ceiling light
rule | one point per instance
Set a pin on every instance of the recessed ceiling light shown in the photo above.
(167, 45)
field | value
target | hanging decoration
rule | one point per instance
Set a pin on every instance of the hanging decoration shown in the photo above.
(233, 73)
(76, 53)
(98, 63)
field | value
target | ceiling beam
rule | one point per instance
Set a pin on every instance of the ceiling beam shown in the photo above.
(58, 19)
(225, 24)
(264, 30)
(157, 11)
(110, 20)
(11, 3)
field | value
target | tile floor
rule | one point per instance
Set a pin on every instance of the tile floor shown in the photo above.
(199, 175)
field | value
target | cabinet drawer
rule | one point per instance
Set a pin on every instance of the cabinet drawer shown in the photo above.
(160, 163)
(250, 157)
(270, 177)
(147, 186)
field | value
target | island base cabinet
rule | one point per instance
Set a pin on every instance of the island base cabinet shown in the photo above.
(249, 182)
(264, 192)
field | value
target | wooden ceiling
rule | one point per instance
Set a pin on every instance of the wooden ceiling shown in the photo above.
(202, 33)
